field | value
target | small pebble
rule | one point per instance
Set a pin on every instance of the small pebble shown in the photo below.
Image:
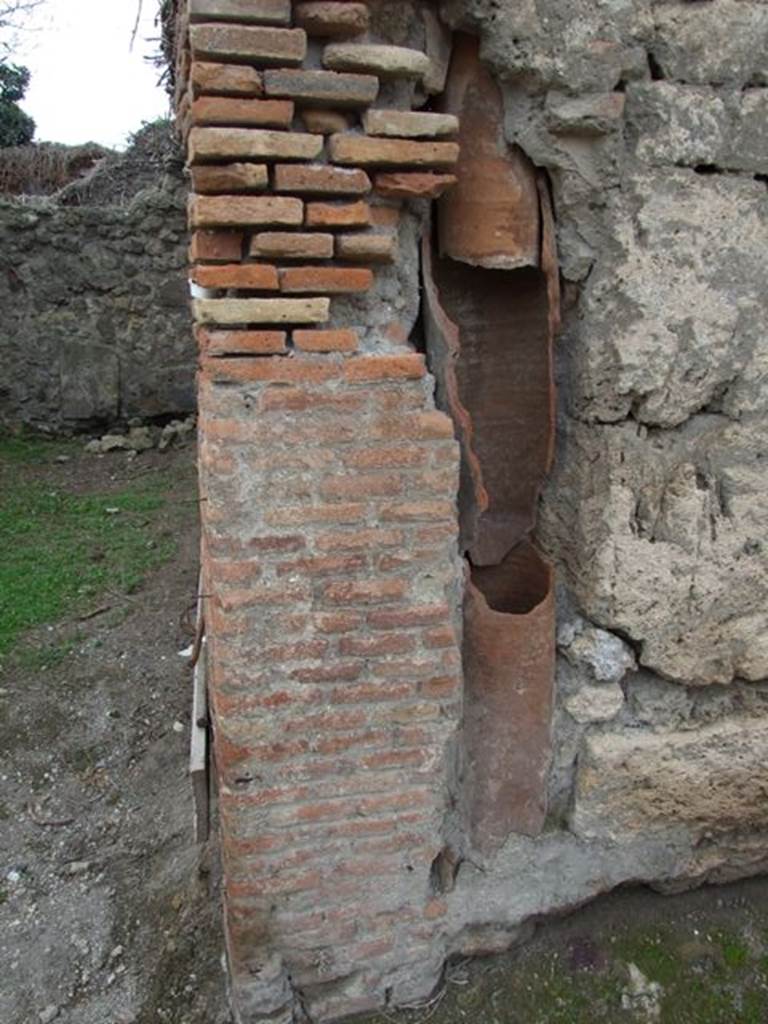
(48, 1014)
(178, 727)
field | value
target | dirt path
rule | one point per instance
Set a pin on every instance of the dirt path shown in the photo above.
(109, 913)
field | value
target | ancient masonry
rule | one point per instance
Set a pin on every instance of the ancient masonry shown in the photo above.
(393, 553)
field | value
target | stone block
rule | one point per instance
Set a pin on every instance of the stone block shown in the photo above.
(292, 245)
(236, 211)
(209, 79)
(706, 783)
(259, 12)
(328, 280)
(207, 144)
(261, 311)
(322, 88)
(384, 61)
(243, 43)
(323, 18)
(226, 110)
(212, 179)
(90, 381)
(409, 124)
(366, 151)
(321, 180)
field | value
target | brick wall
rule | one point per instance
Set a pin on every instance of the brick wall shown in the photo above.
(328, 479)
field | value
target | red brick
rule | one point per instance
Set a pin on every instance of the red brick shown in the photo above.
(325, 341)
(326, 88)
(325, 280)
(225, 80)
(343, 622)
(326, 18)
(229, 178)
(385, 216)
(440, 686)
(376, 368)
(230, 211)
(323, 566)
(216, 246)
(260, 12)
(294, 399)
(219, 144)
(301, 514)
(287, 371)
(320, 179)
(302, 650)
(283, 594)
(360, 487)
(418, 511)
(442, 636)
(365, 592)
(367, 647)
(425, 426)
(365, 150)
(229, 571)
(383, 458)
(280, 398)
(335, 672)
(256, 276)
(241, 342)
(287, 245)
(338, 215)
(402, 185)
(367, 248)
(353, 540)
(224, 110)
(249, 44)
(418, 615)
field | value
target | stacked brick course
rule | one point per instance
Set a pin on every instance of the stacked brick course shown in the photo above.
(329, 483)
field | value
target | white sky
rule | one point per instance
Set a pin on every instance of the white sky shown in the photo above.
(87, 86)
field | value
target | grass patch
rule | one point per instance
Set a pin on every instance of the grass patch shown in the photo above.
(32, 448)
(61, 550)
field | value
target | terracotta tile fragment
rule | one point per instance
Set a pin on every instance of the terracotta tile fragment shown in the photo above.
(322, 88)
(237, 275)
(409, 366)
(227, 110)
(319, 179)
(413, 186)
(337, 215)
(326, 341)
(329, 280)
(385, 215)
(225, 80)
(366, 151)
(491, 217)
(289, 245)
(322, 18)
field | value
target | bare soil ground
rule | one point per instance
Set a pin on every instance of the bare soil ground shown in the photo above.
(109, 912)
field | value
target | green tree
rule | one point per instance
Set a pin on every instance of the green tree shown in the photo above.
(16, 127)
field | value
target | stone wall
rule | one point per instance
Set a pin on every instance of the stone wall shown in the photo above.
(344, 555)
(95, 325)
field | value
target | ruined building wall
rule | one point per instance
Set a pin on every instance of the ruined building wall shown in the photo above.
(95, 326)
(475, 656)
